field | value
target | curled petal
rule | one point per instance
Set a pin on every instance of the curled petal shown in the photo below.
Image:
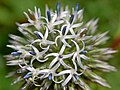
(42, 60)
(64, 72)
(51, 54)
(65, 43)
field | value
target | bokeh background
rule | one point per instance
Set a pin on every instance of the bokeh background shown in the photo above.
(108, 12)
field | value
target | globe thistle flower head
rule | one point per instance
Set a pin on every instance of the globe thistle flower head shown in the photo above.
(59, 51)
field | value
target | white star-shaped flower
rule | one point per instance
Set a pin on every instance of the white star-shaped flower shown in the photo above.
(79, 54)
(37, 16)
(42, 39)
(59, 57)
(72, 74)
(37, 55)
(63, 35)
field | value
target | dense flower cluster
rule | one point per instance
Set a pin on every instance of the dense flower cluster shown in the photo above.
(59, 51)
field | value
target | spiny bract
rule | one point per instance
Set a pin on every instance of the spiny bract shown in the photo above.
(58, 51)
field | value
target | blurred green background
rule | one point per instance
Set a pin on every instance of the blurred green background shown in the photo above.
(108, 11)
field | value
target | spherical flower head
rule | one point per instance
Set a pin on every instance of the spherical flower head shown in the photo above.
(59, 51)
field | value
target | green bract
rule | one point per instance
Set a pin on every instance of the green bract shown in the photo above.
(59, 51)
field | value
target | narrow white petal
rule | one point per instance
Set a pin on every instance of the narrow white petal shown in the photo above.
(70, 36)
(62, 50)
(76, 25)
(30, 69)
(74, 56)
(44, 71)
(72, 31)
(56, 67)
(63, 72)
(30, 11)
(65, 43)
(84, 57)
(110, 51)
(46, 33)
(25, 24)
(67, 56)
(35, 14)
(79, 62)
(39, 13)
(52, 54)
(54, 18)
(58, 22)
(56, 40)
(53, 62)
(67, 80)
(73, 60)
(35, 50)
(41, 60)
(64, 64)
(31, 21)
(44, 51)
(50, 42)
(77, 47)
(37, 40)
(39, 33)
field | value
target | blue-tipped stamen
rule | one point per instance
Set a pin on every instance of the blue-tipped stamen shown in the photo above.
(83, 52)
(58, 8)
(64, 30)
(27, 76)
(32, 53)
(49, 16)
(60, 56)
(50, 77)
(16, 53)
(71, 18)
(77, 7)
(38, 35)
(76, 76)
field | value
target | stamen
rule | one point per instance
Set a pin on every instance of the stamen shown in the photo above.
(48, 16)
(32, 53)
(76, 76)
(38, 35)
(16, 53)
(50, 76)
(71, 18)
(58, 8)
(60, 56)
(27, 76)
(83, 52)
(64, 30)
(77, 7)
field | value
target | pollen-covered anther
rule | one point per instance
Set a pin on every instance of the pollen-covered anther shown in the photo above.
(38, 35)
(32, 52)
(50, 76)
(49, 16)
(83, 52)
(60, 56)
(76, 76)
(64, 30)
(16, 53)
(77, 7)
(58, 8)
(27, 76)
(71, 18)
